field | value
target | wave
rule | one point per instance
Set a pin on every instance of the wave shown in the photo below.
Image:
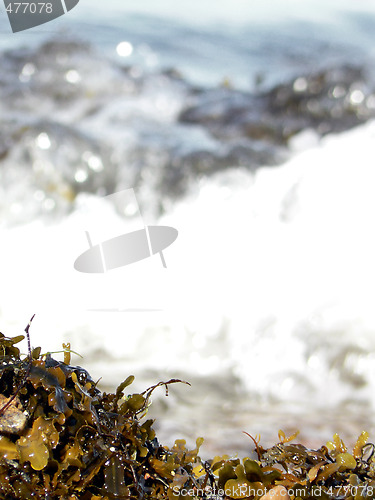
(269, 286)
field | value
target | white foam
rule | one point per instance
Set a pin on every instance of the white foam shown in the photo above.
(272, 277)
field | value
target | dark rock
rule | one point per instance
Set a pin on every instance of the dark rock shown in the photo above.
(332, 100)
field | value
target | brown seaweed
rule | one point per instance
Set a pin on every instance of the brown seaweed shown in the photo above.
(61, 437)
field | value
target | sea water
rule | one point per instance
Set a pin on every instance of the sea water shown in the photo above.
(266, 304)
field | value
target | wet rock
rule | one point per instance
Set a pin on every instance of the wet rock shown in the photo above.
(75, 121)
(330, 100)
(53, 163)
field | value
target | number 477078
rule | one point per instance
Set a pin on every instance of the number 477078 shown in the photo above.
(27, 7)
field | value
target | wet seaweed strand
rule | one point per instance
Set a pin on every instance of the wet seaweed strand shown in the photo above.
(15, 340)
(60, 437)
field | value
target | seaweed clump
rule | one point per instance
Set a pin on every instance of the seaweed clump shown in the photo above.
(60, 437)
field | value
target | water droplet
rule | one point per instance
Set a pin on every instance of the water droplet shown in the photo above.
(95, 163)
(80, 175)
(124, 49)
(356, 97)
(72, 76)
(338, 91)
(300, 84)
(43, 141)
(27, 71)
